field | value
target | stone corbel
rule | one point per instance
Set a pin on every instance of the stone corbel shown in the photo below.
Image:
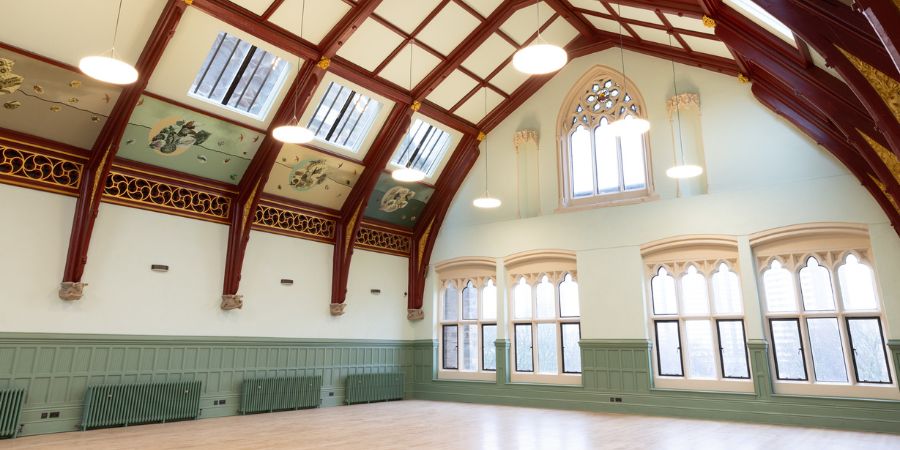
(337, 309)
(415, 314)
(70, 290)
(235, 301)
(524, 136)
(682, 101)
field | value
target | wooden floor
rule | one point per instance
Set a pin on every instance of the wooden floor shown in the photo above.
(438, 425)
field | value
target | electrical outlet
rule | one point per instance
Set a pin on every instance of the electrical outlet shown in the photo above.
(44, 415)
(222, 402)
(618, 399)
(54, 414)
(331, 394)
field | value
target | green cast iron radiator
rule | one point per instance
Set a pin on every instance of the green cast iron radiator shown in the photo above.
(373, 387)
(10, 409)
(280, 393)
(132, 404)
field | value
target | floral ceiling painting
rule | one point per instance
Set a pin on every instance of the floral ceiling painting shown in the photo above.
(308, 175)
(397, 203)
(48, 101)
(166, 135)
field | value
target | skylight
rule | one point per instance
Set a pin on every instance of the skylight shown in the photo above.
(755, 13)
(344, 117)
(422, 148)
(239, 76)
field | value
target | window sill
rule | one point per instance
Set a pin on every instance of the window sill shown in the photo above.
(599, 202)
(452, 375)
(687, 384)
(836, 390)
(573, 380)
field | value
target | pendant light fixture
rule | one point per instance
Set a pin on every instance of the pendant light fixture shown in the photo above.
(486, 201)
(293, 133)
(627, 125)
(109, 68)
(408, 174)
(540, 57)
(682, 170)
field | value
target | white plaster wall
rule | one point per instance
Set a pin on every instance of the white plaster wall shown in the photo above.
(125, 297)
(763, 173)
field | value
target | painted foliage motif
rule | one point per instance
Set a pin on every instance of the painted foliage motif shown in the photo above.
(397, 203)
(166, 135)
(311, 176)
(48, 101)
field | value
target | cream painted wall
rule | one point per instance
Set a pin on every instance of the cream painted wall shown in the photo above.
(763, 173)
(125, 297)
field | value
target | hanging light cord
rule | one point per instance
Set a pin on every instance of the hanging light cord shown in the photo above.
(485, 147)
(677, 106)
(622, 47)
(300, 35)
(116, 29)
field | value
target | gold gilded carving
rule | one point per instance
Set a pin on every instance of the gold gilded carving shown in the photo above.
(324, 63)
(246, 214)
(41, 168)
(422, 240)
(337, 309)
(69, 290)
(888, 157)
(709, 22)
(743, 78)
(415, 314)
(481, 136)
(383, 239)
(157, 194)
(230, 302)
(348, 233)
(886, 193)
(887, 87)
(416, 105)
(294, 222)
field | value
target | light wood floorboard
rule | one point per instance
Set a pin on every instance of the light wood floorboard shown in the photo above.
(440, 425)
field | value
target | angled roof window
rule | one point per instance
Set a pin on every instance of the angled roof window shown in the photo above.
(344, 117)
(757, 14)
(422, 148)
(239, 76)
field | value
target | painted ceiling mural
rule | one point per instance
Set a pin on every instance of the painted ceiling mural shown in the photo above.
(397, 203)
(49, 101)
(166, 135)
(308, 175)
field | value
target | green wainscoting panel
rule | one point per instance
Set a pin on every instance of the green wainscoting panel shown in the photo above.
(894, 345)
(56, 369)
(621, 368)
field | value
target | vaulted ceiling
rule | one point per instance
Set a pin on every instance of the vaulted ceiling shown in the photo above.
(829, 68)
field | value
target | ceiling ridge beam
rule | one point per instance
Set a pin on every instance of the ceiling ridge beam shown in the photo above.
(253, 182)
(103, 152)
(667, 26)
(847, 52)
(432, 217)
(353, 209)
(565, 10)
(691, 8)
(463, 51)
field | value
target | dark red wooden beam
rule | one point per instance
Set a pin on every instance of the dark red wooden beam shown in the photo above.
(352, 211)
(885, 19)
(432, 218)
(829, 27)
(688, 8)
(826, 135)
(105, 148)
(254, 180)
(567, 12)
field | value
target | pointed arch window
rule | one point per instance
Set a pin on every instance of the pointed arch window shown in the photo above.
(597, 168)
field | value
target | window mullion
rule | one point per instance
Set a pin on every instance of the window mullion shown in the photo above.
(596, 183)
(621, 163)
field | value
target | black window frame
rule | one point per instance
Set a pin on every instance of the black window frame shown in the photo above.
(721, 349)
(887, 362)
(530, 347)
(343, 118)
(484, 346)
(414, 154)
(444, 345)
(775, 352)
(680, 350)
(562, 346)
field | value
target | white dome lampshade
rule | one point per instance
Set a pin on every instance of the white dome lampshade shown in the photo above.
(486, 201)
(540, 58)
(628, 126)
(108, 69)
(408, 175)
(684, 171)
(293, 134)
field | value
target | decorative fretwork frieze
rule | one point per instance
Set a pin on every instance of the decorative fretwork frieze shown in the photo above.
(129, 188)
(381, 240)
(294, 223)
(46, 171)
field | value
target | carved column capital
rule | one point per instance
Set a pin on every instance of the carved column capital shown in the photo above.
(69, 290)
(232, 301)
(523, 136)
(337, 309)
(682, 101)
(415, 314)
